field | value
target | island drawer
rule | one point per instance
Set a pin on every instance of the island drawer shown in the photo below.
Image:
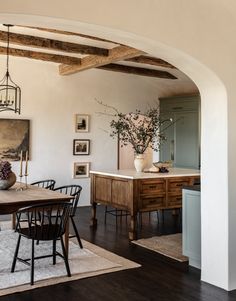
(153, 202)
(176, 185)
(149, 186)
(174, 200)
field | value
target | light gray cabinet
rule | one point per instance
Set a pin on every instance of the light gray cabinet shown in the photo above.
(192, 226)
(182, 146)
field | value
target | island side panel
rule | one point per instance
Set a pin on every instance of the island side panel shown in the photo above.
(114, 191)
(122, 193)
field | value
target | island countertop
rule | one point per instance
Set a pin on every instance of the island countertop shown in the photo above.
(132, 174)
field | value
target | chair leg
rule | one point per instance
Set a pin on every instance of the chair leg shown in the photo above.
(15, 255)
(76, 232)
(121, 214)
(163, 216)
(54, 251)
(116, 216)
(158, 216)
(140, 219)
(39, 218)
(32, 264)
(65, 257)
(105, 218)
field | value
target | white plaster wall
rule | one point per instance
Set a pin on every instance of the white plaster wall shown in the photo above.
(50, 102)
(197, 37)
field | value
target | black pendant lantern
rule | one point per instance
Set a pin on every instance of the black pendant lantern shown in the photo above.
(10, 92)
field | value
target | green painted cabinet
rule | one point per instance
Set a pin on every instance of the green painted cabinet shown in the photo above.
(192, 225)
(182, 146)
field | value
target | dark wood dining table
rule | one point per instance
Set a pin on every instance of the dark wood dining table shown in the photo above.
(14, 198)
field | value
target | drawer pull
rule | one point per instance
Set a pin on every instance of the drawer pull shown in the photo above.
(152, 186)
(179, 185)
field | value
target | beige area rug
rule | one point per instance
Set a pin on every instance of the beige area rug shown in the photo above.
(87, 262)
(167, 245)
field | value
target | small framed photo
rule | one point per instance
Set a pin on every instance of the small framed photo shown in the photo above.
(81, 123)
(81, 147)
(81, 170)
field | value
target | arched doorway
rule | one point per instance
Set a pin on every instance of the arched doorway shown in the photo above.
(214, 136)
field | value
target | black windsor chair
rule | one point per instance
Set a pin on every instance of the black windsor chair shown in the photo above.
(45, 222)
(74, 191)
(47, 184)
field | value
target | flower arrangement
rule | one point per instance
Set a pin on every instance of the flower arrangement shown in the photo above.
(141, 130)
(5, 170)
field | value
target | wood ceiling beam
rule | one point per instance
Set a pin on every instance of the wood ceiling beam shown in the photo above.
(137, 71)
(69, 33)
(149, 60)
(55, 58)
(118, 53)
(32, 41)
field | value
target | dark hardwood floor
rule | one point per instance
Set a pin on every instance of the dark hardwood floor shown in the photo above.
(157, 278)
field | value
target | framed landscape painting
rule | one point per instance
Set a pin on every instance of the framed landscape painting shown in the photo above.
(14, 138)
(81, 170)
(81, 123)
(81, 147)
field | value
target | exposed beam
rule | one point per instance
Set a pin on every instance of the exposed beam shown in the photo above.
(55, 58)
(39, 42)
(149, 60)
(137, 71)
(69, 33)
(118, 53)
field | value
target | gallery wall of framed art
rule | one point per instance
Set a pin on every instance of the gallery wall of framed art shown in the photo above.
(81, 147)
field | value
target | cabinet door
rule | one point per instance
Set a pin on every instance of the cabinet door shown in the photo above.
(182, 144)
(187, 140)
(167, 151)
(192, 227)
(183, 140)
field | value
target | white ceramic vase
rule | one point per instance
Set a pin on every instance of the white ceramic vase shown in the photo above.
(139, 162)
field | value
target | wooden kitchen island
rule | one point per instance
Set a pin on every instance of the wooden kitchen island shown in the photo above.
(139, 191)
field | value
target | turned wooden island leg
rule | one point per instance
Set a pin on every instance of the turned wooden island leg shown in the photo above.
(133, 226)
(93, 221)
